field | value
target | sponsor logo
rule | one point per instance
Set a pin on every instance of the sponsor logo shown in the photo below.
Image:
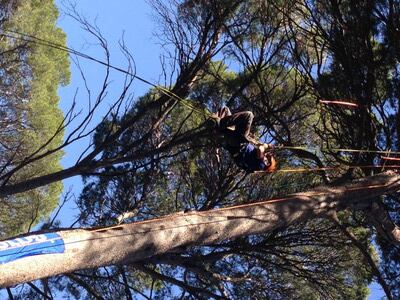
(38, 244)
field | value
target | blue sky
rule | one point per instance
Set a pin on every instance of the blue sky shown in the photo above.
(131, 20)
(114, 18)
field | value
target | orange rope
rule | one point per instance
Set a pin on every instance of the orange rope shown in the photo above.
(301, 170)
(344, 103)
(390, 158)
(306, 148)
(316, 193)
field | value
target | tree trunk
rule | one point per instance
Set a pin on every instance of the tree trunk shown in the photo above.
(137, 241)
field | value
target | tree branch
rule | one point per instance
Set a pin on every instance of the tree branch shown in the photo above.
(365, 253)
(85, 249)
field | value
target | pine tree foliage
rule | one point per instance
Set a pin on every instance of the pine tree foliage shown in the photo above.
(31, 118)
(277, 59)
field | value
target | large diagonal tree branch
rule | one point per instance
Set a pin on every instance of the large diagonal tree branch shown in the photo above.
(86, 167)
(85, 249)
(188, 75)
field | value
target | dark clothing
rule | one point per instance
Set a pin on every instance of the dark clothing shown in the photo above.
(236, 141)
(247, 158)
(241, 120)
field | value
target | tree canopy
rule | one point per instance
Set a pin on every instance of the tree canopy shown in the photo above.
(31, 118)
(284, 60)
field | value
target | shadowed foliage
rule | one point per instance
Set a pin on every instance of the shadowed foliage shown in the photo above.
(160, 155)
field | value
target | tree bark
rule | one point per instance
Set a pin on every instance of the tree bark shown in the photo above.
(91, 166)
(127, 243)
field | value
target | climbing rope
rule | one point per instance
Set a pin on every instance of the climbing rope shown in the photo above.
(185, 102)
(343, 167)
(315, 149)
(34, 39)
(223, 218)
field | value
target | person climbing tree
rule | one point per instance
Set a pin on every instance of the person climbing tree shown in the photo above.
(248, 155)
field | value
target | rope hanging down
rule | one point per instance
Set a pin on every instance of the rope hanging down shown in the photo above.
(34, 39)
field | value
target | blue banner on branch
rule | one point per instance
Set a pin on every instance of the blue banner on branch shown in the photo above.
(38, 244)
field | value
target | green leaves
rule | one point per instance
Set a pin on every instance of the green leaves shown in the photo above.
(34, 73)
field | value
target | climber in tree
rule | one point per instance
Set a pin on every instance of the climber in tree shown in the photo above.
(249, 156)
